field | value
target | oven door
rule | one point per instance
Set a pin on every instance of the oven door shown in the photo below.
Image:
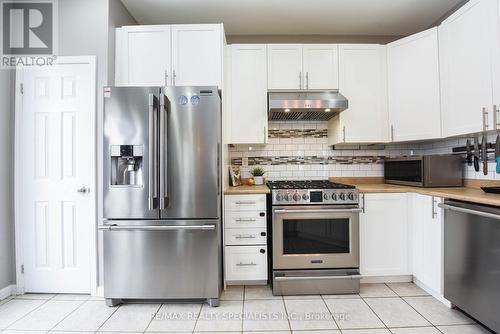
(315, 237)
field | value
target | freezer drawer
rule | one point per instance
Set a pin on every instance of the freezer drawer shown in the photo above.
(162, 260)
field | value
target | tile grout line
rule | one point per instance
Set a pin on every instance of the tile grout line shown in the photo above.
(243, 308)
(331, 313)
(24, 316)
(197, 318)
(430, 322)
(371, 309)
(66, 315)
(152, 318)
(286, 314)
(107, 319)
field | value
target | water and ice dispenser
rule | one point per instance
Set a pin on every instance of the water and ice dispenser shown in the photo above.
(127, 162)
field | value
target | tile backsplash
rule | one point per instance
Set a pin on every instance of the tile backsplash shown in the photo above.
(300, 150)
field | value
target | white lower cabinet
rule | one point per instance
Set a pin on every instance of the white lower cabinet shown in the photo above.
(427, 241)
(245, 238)
(384, 235)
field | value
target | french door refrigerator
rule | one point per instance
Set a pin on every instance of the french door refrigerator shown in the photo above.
(162, 194)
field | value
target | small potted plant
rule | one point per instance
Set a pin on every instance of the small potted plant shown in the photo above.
(258, 175)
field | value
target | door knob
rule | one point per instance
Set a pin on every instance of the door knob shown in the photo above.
(82, 190)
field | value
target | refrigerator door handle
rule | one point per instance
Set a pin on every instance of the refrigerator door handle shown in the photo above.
(163, 154)
(157, 228)
(152, 193)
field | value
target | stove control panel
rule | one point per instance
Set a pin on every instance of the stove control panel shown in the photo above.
(310, 196)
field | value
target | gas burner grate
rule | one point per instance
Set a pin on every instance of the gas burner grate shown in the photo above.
(308, 184)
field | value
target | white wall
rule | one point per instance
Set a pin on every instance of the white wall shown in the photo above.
(7, 272)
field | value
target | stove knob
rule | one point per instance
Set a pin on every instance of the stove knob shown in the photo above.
(350, 196)
(334, 197)
(305, 197)
(342, 196)
(279, 197)
(326, 196)
(288, 197)
(296, 197)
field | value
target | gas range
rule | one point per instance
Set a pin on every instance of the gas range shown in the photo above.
(312, 193)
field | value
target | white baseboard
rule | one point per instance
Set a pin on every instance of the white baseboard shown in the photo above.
(433, 293)
(7, 291)
(387, 279)
(100, 291)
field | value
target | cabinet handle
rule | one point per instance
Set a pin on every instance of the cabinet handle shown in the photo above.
(392, 132)
(245, 202)
(241, 264)
(363, 201)
(496, 112)
(173, 77)
(265, 137)
(245, 220)
(307, 80)
(343, 133)
(166, 78)
(485, 119)
(249, 236)
(433, 211)
(263, 251)
(300, 80)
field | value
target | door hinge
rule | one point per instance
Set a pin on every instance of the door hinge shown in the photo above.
(22, 268)
(22, 89)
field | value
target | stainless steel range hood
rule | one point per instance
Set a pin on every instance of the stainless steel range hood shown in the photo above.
(305, 105)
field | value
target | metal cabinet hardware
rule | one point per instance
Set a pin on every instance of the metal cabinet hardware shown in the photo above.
(343, 133)
(245, 220)
(173, 77)
(433, 211)
(307, 80)
(166, 78)
(241, 264)
(392, 132)
(472, 212)
(82, 190)
(245, 202)
(363, 201)
(496, 115)
(300, 80)
(248, 236)
(485, 119)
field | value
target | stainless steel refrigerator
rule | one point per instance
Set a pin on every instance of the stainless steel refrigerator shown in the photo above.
(162, 194)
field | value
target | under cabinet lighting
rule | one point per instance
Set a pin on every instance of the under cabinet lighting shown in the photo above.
(287, 110)
(328, 110)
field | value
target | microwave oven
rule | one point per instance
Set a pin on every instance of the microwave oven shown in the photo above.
(425, 171)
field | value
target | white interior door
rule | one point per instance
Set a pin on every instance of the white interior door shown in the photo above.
(55, 185)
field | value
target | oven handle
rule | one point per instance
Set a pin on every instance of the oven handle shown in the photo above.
(297, 278)
(357, 210)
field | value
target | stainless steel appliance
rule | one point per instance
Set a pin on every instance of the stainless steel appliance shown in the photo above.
(315, 238)
(308, 105)
(162, 193)
(472, 260)
(425, 170)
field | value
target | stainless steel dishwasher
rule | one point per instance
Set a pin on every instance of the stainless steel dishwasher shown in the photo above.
(472, 260)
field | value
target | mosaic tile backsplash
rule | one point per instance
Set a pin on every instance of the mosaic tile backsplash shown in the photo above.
(299, 150)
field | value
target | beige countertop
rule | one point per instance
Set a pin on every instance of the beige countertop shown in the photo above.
(247, 190)
(470, 193)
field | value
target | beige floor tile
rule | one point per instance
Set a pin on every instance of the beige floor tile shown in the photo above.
(88, 317)
(341, 296)
(353, 314)
(265, 315)
(395, 312)
(233, 292)
(375, 290)
(65, 296)
(309, 315)
(259, 292)
(438, 313)
(328, 331)
(46, 316)
(366, 331)
(407, 289)
(175, 318)
(42, 296)
(15, 309)
(303, 297)
(69, 332)
(415, 330)
(226, 317)
(463, 329)
(131, 318)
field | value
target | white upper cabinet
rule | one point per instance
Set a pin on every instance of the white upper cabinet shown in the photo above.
(180, 55)
(321, 66)
(248, 94)
(413, 87)
(363, 81)
(142, 55)
(384, 235)
(468, 42)
(197, 54)
(284, 66)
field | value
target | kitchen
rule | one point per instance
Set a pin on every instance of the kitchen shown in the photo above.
(257, 179)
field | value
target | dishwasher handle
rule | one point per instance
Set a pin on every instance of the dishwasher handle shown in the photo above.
(469, 211)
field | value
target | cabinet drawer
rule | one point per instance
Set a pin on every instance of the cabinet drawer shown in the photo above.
(246, 263)
(245, 236)
(245, 203)
(245, 219)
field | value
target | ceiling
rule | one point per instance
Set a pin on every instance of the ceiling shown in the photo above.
(297, 17)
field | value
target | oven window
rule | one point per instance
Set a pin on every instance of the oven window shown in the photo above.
(315, 236)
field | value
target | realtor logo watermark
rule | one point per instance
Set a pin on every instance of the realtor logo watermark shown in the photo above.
(29, 36)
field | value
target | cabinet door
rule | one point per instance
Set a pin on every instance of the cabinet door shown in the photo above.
(197, 54)
(467, 40)
(248, 109)
(413, 87)
(143, 56)
(284, 66)
(321, 66)
(363, 81)
(384, 237)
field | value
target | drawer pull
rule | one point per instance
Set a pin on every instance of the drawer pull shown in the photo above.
(241, 264)
(245, 220)
(245, 203)
(248, 236)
